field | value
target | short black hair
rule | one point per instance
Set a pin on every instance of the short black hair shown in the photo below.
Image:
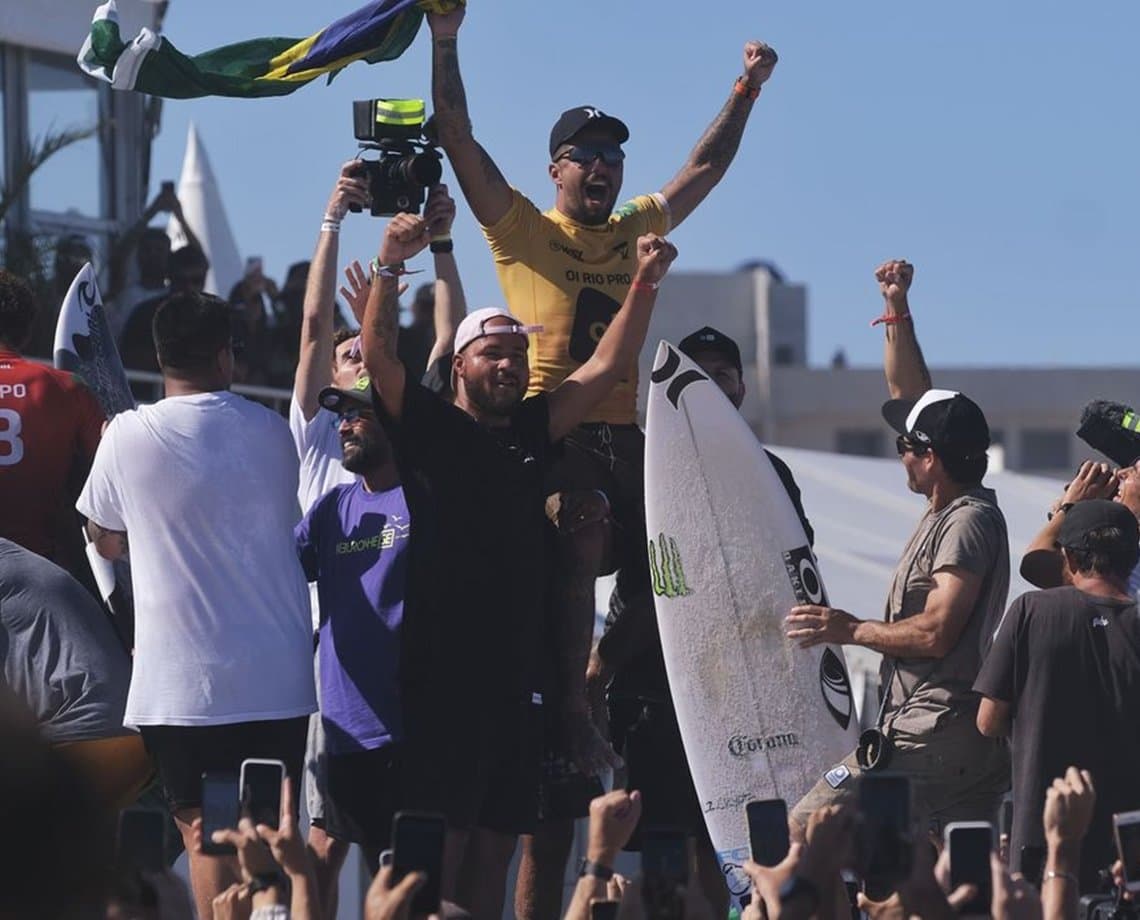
(1106, 551)
(17, 309)
(186, 257)
(190, 329)
(343, 335)
(965, 471)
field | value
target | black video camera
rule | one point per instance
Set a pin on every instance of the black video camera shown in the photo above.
(409, 162)
(1113, 429)
(1105, 907)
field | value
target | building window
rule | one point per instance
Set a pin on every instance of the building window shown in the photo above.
(1044, 449)
(861, 442)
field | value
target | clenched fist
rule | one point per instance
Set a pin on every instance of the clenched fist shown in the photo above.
(654, 256)
(894, 279)
(759, 62)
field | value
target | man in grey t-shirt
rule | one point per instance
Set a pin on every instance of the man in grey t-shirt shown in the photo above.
(64, 661)
(945, 600)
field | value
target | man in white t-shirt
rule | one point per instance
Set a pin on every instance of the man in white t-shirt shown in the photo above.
(203, 486)
(315, 429)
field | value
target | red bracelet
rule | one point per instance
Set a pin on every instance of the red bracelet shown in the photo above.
(643, 286)
(890, 319)
(741, 88)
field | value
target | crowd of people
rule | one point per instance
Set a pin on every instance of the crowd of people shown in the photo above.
(391, 592)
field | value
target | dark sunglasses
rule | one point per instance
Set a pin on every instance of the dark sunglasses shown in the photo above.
(585, 154)
(905, 446)
(351, 415)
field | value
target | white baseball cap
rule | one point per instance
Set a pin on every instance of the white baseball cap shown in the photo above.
(474, 326)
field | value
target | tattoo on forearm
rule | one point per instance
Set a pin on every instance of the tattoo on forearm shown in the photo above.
(449, 96)
(386, 320)
(722, 139)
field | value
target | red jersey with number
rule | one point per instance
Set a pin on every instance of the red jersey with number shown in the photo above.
(50, 425)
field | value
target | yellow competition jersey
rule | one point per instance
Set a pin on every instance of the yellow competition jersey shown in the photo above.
(573, 279)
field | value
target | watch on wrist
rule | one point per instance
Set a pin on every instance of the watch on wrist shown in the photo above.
(267, 880)
(595, 870)
(1066, 506)
(391, 270)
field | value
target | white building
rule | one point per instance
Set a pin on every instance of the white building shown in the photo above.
(1033, 412)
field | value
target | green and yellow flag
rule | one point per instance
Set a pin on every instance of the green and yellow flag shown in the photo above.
(379, 31)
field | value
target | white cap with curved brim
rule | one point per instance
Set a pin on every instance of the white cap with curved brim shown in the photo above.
(474, 326)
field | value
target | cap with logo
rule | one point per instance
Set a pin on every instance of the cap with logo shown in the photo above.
(474, 326)
(948, 421)
(358, 396)
(574, 120)
(709, 339)
(1093, 514)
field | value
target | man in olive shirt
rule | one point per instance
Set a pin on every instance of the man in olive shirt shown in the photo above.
(945, 600)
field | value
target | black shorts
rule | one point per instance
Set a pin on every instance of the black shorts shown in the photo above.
(183, 753)
(648, 738)
(565, 792)
(477, 768)
(362, 794)
(611, 459)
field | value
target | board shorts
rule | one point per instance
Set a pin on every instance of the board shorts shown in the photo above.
(647, 737)
(477, 768)
(183, 753)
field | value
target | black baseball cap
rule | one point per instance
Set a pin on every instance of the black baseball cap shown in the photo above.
(948, 421)
(1093, 514)
(572, 121)
(709, 339)
(358, 396)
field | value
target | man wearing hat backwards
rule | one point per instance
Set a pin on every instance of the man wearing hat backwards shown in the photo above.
(1063, 679)
(945, 600)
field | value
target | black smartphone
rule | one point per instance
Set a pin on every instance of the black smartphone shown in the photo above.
(970, 844)
(885, 838)
(768, 831)
(261, 790)
(417, 846)
(1126, 827)
(221, 808)
(1033, 864)
(664, 867)
(168, 188)
(141, 841)
(604, 910)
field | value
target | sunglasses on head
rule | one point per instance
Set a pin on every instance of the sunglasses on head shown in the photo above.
(585, 154)
(906, 446)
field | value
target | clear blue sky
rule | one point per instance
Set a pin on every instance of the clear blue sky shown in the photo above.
(994, 144)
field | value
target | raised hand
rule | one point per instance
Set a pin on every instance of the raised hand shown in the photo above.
(613, 817)
(654, 256)
(1069, 807)
(759, 62)
(439, 211)
(405, 236)
(446, 25)
(894, 279)
(351, 189)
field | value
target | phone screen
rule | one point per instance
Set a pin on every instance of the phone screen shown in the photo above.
(1128, 845)
(221, 808)
(261, 790)
(884, 805)
(768, 831)
(970, 848)
(417, 846)
(604, 910)
(142, 840)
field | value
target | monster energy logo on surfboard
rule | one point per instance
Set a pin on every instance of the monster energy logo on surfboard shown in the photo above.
(666, 568)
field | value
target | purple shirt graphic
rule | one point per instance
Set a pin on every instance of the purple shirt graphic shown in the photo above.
(354, 544)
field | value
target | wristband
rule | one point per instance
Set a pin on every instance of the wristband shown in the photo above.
(387, 271)
(643, 286)
(328, 225)
(595, 870)
(1067, 876)
(441, 244)
(741, 88)
(890, 319)
(1065, 507)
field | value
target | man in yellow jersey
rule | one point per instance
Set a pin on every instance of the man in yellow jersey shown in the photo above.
(570, 268)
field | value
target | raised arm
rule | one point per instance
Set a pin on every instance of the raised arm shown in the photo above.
(714, 152)
(450, 302)
(616, 355)
(314, 369)
(907, 376)
(405, 236)
(486, 190)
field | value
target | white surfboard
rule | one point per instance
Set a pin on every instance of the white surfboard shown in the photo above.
(760, 717)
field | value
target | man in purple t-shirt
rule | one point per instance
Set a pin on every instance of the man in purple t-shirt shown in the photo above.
(354, 544)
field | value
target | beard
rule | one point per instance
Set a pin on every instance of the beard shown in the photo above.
(362, 454)
(494, 400)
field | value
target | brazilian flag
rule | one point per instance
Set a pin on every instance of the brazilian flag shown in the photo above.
(378, 31)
